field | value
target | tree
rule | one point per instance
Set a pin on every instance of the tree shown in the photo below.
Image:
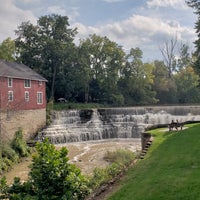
(164, 86)
(184, 59)
(187, 86)
(51, 177)
(8, 50)
(102, 61)
(136, 80)
(169, 50)
(195, 4)
(46, 47)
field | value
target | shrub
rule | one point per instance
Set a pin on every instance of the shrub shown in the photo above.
(120, 156)
(8, 152)
(48, 111)
(51, 177)
(118, 160)
(19, 144)
(7, 157)
(98, 178)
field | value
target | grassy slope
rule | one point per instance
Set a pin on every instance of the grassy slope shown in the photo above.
(170, 170)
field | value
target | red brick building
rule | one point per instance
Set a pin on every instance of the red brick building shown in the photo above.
(22, 93)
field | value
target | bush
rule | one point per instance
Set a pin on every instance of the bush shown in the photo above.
(48, 111)
(51, 177)
(120, 156)
(8, 152)
(7, 157)
(19, 144)
(118, 159)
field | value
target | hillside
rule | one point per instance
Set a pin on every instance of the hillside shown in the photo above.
(170, 170)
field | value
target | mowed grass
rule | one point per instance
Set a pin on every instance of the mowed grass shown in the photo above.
(169, 171)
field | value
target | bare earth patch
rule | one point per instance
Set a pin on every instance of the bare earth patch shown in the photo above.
(85, 155)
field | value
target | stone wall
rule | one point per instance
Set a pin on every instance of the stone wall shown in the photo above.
(29, 120)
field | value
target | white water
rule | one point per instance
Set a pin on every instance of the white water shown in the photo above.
(98, 124)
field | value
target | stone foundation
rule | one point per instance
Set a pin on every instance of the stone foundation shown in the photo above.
(29, 120)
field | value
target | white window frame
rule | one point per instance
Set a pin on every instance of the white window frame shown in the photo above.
(27, 83)
(26, 96)
(39, 97)
(10, 96)
(10, 82)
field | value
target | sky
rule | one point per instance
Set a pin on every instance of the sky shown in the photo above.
(146, 24)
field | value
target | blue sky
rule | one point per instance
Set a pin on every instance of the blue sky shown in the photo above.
(146, 24)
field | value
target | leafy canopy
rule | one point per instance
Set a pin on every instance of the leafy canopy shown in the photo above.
(51, 177)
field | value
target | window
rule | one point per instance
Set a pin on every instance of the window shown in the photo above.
(26, 96)
(40, 83)
(10, 96)
(27, 83)
(10, 82)
(39, 98)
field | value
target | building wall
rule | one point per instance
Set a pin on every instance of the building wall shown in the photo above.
(18, 89)
(29, 120)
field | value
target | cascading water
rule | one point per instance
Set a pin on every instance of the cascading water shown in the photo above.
(98, 124)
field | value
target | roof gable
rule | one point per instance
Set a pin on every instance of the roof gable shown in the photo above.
(16, 70)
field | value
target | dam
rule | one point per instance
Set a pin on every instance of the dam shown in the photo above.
(113, 123)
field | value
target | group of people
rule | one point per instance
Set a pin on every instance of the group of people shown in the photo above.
(175, 125)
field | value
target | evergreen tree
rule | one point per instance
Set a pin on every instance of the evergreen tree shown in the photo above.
(195, 4)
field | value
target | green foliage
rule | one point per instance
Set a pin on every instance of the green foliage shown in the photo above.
(8, 50)
(136, 80)
(49, 108)
(187, 86)
(120, 156)
(118, 159)
(8, 157)
(19, 144)
(99, 177)
(195, 5)
(170, 169)
(102, 60)
(98, 70)
(51, 39)
(51, 177)
(11, 152)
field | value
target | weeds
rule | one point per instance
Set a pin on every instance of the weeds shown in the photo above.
(118, 160)
(10, 152)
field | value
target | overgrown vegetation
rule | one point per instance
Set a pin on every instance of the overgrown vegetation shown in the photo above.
(12, 152)
(19, 144)
(51, 177)
(49, 108)
(119, 160)
(169, 171)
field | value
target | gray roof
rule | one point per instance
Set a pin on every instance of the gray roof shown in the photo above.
(17, 70)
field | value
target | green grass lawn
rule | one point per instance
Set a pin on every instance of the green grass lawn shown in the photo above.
(170, 169)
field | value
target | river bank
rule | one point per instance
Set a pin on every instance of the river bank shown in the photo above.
(85, 155)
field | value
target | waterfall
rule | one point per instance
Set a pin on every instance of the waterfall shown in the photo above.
(98, 124)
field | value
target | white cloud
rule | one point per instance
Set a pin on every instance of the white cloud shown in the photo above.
(167, 3)
(11, 17)
(139, 31)
(72, 13)
(112, 1)
(56, 10)
(29, 1)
